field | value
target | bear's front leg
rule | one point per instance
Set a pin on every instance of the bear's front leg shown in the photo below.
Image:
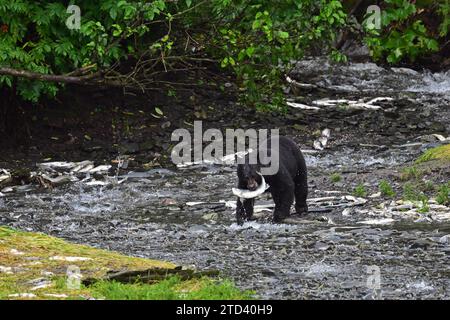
(301, 193)
(283, 196)
(240, 212)
(248, 206)
(244, 211)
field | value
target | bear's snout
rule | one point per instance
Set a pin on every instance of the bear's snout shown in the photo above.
(252, 185)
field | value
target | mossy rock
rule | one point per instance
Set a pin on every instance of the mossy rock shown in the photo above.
(441, 153)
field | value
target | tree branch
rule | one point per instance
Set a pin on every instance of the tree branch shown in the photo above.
(48, 77)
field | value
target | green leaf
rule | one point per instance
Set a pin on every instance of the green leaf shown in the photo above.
(113, 13)
(398, 53)
(117, 30)
(250, 51)
(283, 34)
(224, 62)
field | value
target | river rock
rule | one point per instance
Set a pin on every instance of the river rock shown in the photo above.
(444, 239)
(211, 216)
(420, 244)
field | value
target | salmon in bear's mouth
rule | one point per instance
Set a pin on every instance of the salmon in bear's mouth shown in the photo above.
(249, 194)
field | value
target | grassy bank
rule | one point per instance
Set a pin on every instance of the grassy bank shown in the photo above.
(441, 153)
(38, 266)
(424, 181)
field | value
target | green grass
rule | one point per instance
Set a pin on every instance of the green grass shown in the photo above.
(425, 207)
(335, 177)
(443, 195)
(386, 189)
(429, 187)
(37, 254)
(411, 193)
(410, 173)
(170, 289)
(360, 191)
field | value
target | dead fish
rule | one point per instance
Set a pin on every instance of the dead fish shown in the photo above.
(329, 191)
(440, 137)
(81, 165)
(322, 199)
(100, 169)
(115, 180)
(317, 145)
(331, 103)
(4, 175)
(377, 221)
(86, 169)
(194, 203)
(346, 212)
(57, 180)
(364, 106)
(56, 165)
(97, 183)
(354, 199)
(379, 99)
(352, 103)
(301, 106)
(321, 143)
(7, 190)
(5, 179)
(247, 194)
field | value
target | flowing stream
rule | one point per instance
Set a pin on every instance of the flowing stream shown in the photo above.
(325, 255)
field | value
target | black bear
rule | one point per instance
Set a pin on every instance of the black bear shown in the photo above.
(289, 182)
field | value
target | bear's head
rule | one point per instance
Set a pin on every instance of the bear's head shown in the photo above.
(249, 176)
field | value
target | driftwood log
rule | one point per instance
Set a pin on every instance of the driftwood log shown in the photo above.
(152, 275)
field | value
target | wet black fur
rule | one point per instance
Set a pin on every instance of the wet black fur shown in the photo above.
(288, 183)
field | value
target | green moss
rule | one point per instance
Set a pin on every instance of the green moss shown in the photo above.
(27, 256)
(439, 153)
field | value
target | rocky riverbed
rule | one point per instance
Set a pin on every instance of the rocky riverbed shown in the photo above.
(379, 122)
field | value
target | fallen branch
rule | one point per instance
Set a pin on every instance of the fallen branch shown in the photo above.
(153, 275)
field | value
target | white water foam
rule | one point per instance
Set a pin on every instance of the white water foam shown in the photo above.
(433, 83)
